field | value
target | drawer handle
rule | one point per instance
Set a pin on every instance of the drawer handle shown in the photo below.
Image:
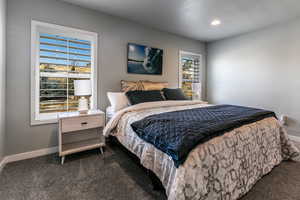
(83, 123)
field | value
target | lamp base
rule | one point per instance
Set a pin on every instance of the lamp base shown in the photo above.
(197, 96)
(83, 105)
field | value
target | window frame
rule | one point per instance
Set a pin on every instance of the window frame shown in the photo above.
(38, 27)
(181, 52)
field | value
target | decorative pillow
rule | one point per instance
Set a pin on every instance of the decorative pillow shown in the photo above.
(174, 94)
(149, 85)
(140, 96)
(131, 86)
(118, 100)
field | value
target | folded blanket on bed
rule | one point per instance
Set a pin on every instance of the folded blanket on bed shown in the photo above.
(177, 133)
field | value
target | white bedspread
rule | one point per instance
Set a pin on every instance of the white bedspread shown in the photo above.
(226, 167)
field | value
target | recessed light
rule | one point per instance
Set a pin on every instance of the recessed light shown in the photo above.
(215, 22)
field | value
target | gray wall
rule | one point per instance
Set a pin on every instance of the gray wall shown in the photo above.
(258, 69)
(114, 34)
(2, 74)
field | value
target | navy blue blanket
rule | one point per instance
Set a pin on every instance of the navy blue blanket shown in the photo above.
(177, 133)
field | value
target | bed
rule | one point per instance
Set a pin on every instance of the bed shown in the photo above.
(224, 167)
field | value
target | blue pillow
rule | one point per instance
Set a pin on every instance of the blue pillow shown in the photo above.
(141, 96)
(174, 94)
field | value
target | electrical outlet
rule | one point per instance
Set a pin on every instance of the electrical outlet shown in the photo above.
(283, 119)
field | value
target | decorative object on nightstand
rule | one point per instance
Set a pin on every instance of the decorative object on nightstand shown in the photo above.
(80, 132)
(196, 88)
(83, 89)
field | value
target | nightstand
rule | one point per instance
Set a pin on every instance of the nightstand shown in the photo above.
(80, 132)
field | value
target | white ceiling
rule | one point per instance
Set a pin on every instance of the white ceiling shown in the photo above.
(191, 18)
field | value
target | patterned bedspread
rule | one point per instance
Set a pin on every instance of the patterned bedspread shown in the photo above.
(177, 133)
(225, 167)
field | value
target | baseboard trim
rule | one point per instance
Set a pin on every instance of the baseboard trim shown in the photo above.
(2, 163)
(27, 155)
(295, 138)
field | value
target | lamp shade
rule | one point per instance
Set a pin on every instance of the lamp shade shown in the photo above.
(196, 87)
(82, 88)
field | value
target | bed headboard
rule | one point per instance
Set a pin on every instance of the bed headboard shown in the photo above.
(142, 85)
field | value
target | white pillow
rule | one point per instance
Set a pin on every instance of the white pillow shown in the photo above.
(118, 100)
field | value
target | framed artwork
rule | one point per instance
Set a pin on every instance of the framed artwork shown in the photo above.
(144, 59)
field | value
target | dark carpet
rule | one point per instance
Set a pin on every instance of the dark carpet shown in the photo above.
(115, 175)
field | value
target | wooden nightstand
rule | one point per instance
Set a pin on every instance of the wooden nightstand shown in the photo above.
(80, 132)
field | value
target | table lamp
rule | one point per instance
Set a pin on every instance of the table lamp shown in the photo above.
(83, 89)
(197, 88)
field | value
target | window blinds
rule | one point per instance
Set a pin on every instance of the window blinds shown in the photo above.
(61, 61)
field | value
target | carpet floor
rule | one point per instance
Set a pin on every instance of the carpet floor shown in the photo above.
(115, 175)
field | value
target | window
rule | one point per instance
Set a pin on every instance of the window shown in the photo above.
(60, 55)
(190, 74)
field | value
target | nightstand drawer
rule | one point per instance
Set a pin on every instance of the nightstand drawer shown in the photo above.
(81, 123)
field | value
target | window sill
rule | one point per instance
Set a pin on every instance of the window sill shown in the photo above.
(43, 122)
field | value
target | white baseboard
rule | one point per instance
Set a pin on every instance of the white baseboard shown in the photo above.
(295, 138)
(27, 155)
(31, 154)
(2, 164)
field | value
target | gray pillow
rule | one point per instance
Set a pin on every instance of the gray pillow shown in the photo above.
(174, 94)
(141, 96)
